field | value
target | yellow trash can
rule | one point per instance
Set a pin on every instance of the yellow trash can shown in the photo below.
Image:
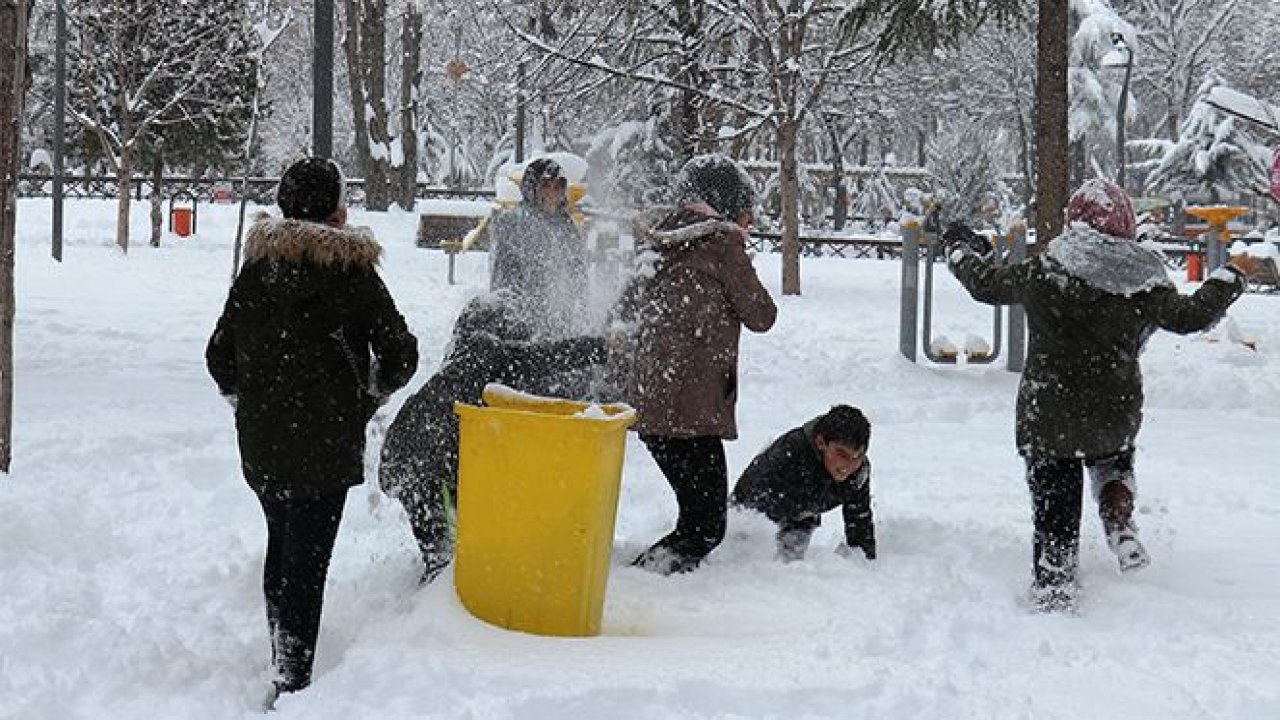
(538, 486)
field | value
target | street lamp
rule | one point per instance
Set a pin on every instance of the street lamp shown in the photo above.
(1120, 56)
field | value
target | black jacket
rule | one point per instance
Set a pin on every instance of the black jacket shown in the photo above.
(422, 443)
(788, 483)
(1092, 301)
(305, 318)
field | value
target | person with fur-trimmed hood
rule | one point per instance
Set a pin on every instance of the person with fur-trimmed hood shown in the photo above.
(309, 344)
(1092, 300)
(537, 253)
(682, 314)
(492, 343)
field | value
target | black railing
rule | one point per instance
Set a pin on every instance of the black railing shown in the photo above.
(259, 189)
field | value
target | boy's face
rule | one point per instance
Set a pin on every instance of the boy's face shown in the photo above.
(841, 459)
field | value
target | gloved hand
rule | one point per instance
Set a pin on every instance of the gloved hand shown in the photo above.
(958, 236)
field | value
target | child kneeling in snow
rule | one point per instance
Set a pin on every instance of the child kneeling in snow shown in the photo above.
(811, 469)
(491, 344)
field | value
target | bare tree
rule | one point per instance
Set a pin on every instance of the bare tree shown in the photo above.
(140, 65)
(1177, 45)
(913, 26)
(14, 17)
(388, 162)
(750, 64)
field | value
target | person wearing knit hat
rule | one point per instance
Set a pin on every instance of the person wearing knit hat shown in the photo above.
(309, 344)
(1092, 300)
(313, 189)
(719, 182)
(682, 314)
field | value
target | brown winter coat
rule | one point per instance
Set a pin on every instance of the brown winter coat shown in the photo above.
(685, 310)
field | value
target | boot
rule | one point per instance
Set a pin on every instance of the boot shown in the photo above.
(1115, 507)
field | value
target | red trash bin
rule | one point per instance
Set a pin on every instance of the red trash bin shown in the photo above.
(181, 221)
(1195, 267)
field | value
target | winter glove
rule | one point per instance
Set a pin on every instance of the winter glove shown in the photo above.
(958, 237)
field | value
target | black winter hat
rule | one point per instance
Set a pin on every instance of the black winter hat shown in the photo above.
(538, 172)
(719, 182)
(312, 189)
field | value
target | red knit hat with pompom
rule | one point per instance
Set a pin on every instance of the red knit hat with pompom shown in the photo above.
(1103, 206)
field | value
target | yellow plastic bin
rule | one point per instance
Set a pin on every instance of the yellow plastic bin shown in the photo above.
(538, 486)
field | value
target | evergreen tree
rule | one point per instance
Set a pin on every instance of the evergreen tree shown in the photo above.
(1213, 158)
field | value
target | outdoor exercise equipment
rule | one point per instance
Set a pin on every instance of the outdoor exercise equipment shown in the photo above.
(917, 243)
(1218, 239)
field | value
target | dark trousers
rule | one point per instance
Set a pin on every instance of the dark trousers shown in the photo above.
(1057, 495)
(696, 470)
(300, 537)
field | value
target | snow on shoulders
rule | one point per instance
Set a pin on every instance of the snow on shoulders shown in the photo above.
(1113, 265)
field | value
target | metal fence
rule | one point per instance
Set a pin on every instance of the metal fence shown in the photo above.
(259, 189)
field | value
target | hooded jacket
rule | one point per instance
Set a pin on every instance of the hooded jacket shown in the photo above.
(684, 309)
(788, 483)
(540, 257)
(1092, 301)
(309, 343)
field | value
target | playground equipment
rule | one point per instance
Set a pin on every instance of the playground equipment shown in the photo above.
(1217, 216)
(538, 482)
(914, 240)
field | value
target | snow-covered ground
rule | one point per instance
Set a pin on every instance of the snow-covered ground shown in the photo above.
(131, 550)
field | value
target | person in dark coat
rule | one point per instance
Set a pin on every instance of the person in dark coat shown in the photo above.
(492, 343)
(1092, 300)
(308, 345)
(537, 253)
(682, 315)
(810, 470)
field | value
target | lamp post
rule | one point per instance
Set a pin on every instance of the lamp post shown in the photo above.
(322, 80)
(1120, 56)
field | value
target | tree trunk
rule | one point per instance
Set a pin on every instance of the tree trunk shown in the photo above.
(1052, 182)
(840, 191)
(124, 184)
(14, 17)
(789, 186)
(366, 71)
(157, 202)
(373, 68)
(410, 73)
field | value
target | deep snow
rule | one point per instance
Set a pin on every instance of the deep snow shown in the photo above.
(131, 550)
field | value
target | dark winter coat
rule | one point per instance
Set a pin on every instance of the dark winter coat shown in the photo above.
(305, 320)
(421, 446)
(685, 309)
(540, 257)
(1092, 301)
(787, 482)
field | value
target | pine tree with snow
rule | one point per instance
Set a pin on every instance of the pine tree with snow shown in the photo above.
(1213, 156)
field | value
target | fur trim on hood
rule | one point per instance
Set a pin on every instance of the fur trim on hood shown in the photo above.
(1112, 265)
(297, 241)
(687, 225)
